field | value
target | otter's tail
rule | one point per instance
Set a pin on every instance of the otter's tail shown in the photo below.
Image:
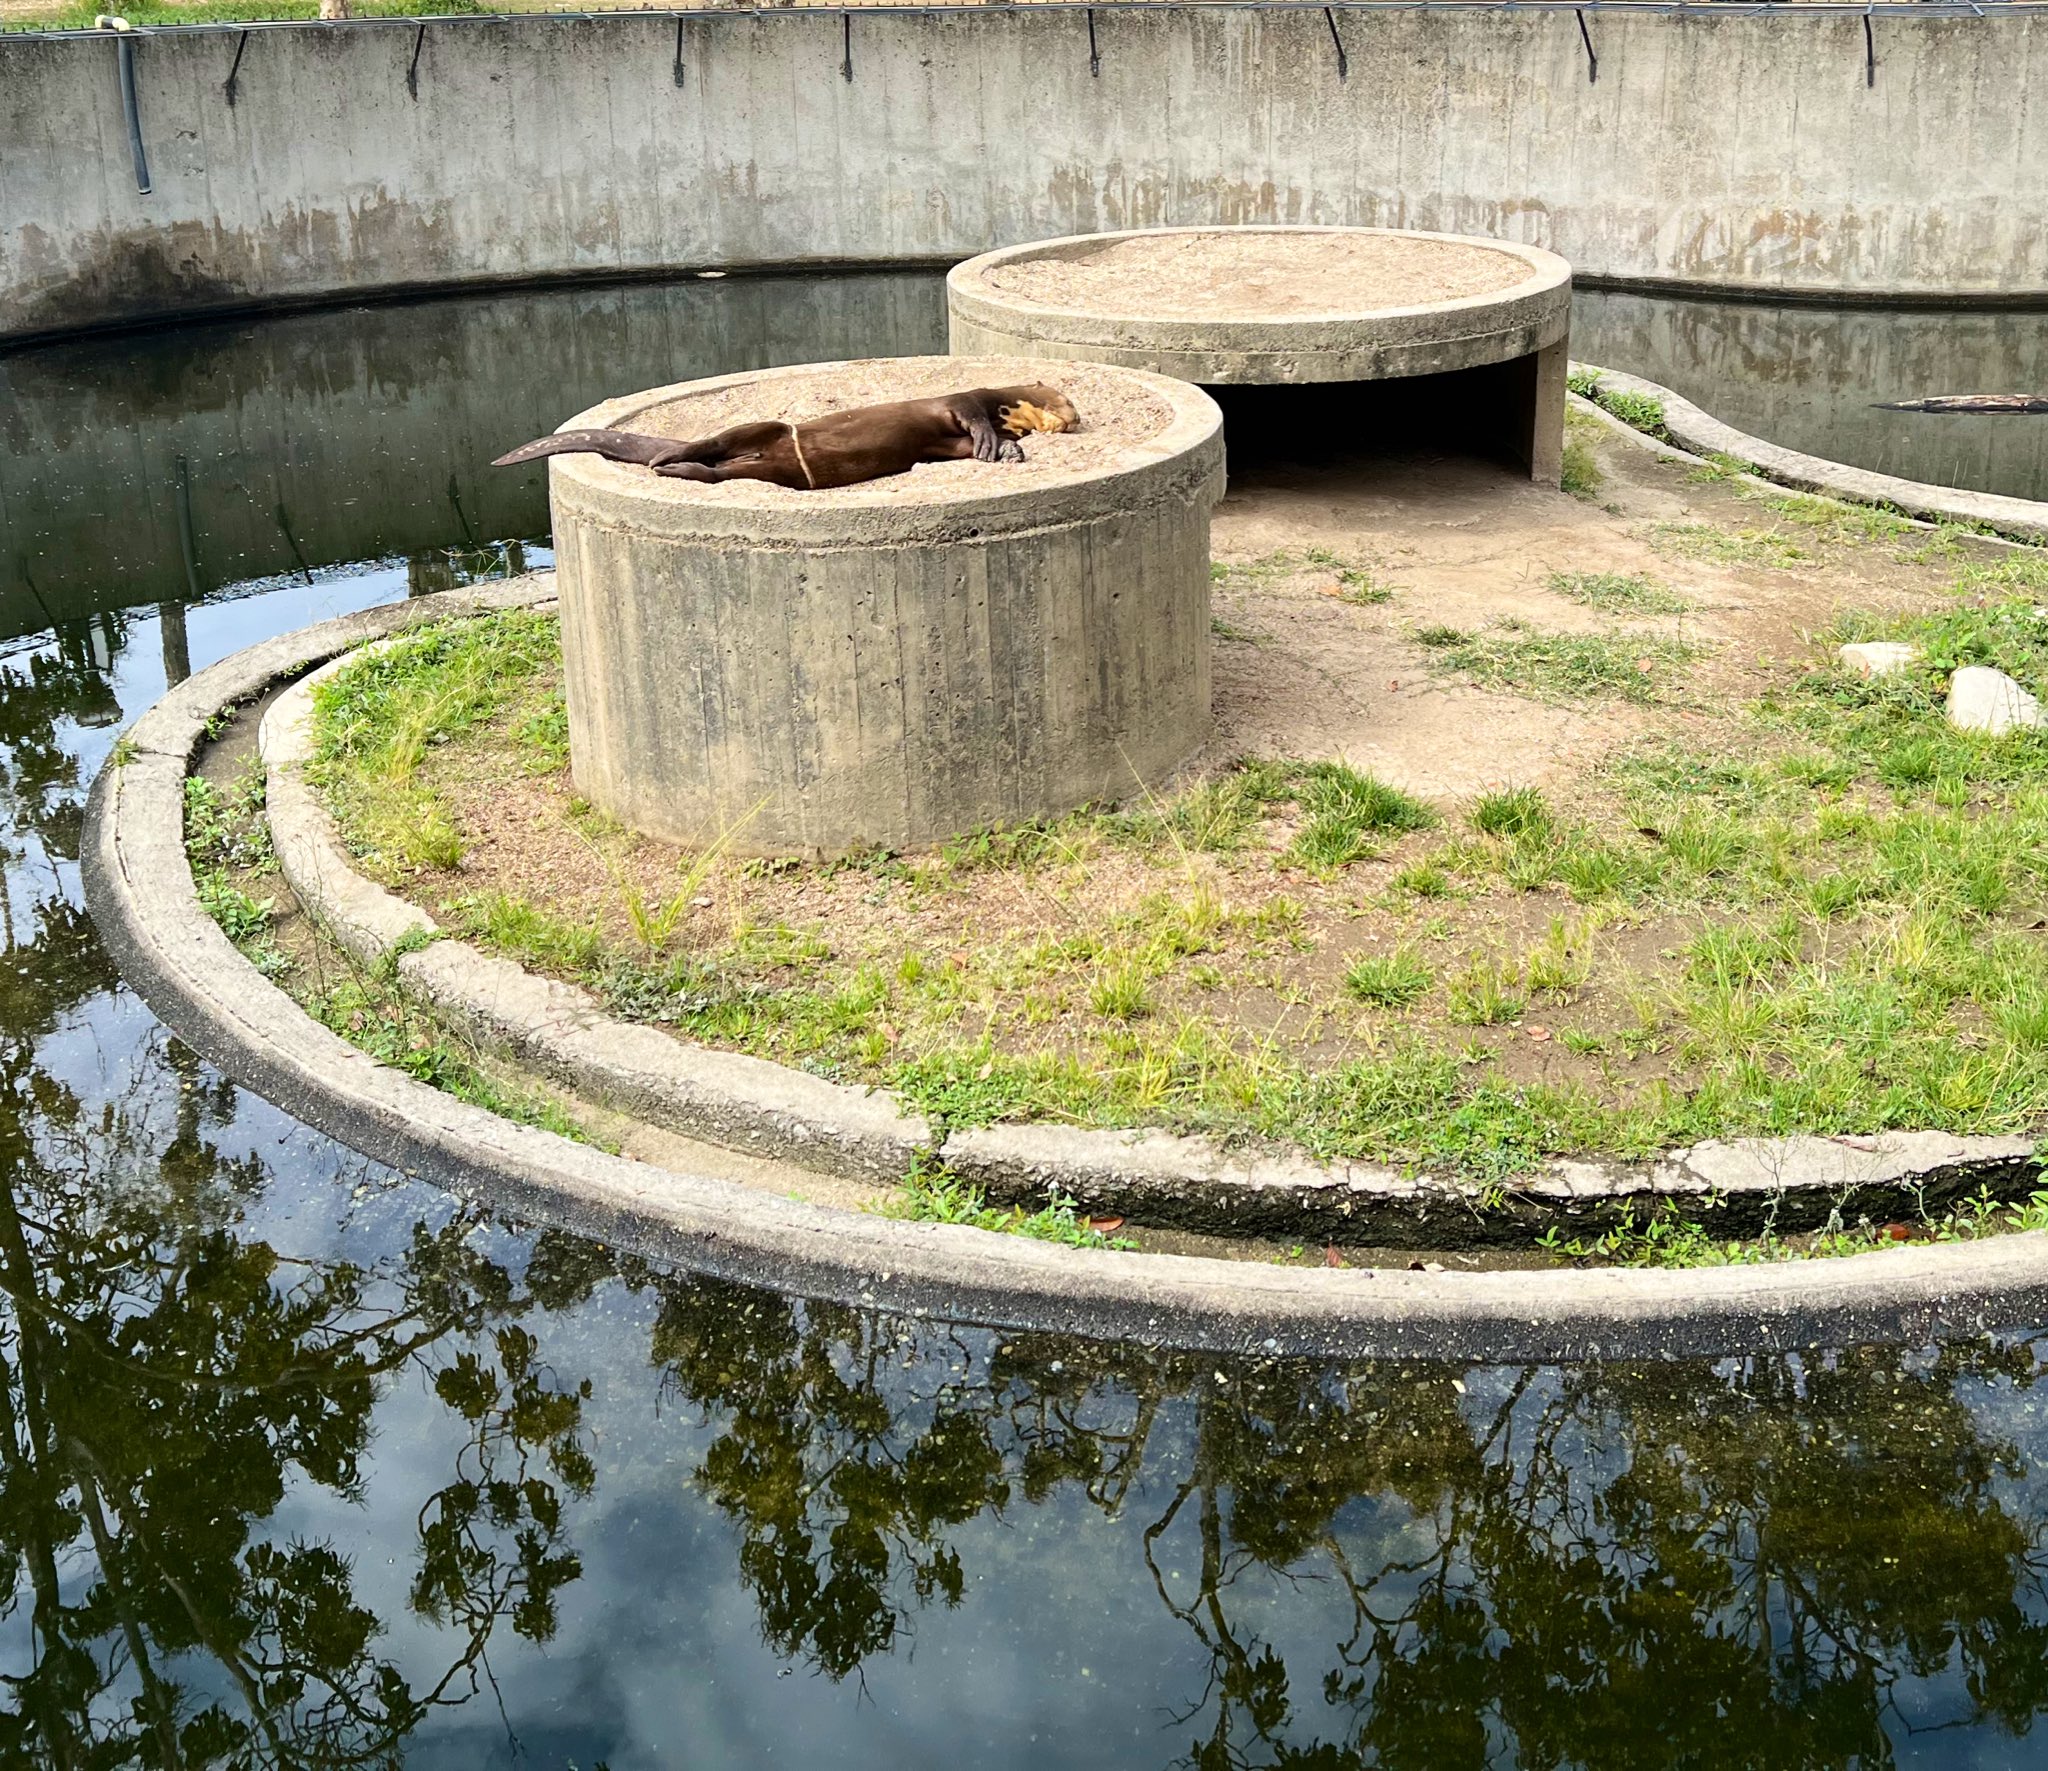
(613, 445)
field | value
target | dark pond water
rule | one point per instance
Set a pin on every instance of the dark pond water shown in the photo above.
(1809, 377)
(302, 1464)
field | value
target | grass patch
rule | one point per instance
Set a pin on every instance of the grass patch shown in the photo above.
(1666, 1237)
(1389, 980)
(373, 1014)
(227, 842)
(1730, 547)
(1579, 472)
(375, 720)
(1512, 812)
(1619, 593)
(933, 1194)
(1227, 630)
(1558, 667)
(1826, 924)
(157, 12)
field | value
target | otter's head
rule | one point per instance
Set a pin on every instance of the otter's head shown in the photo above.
(1038, 407)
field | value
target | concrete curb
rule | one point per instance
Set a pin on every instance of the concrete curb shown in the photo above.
(140, 890)
(1699, 433)
(1191, 1183)
(728, 1098)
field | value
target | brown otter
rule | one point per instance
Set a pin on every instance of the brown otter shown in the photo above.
(839, 449)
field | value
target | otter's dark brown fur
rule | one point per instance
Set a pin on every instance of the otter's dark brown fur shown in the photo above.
(840, 449)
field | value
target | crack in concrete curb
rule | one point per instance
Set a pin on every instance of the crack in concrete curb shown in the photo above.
(140, 890)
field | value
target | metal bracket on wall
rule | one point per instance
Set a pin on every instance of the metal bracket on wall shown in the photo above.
(846, 38)
(1343, 62)
(131, 110)
(1592, 60)
(1869, 50)
(412, 73)
(1094, 54)
(234, 73)
(679, 49)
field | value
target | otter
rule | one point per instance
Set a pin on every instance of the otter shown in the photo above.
(839, 449)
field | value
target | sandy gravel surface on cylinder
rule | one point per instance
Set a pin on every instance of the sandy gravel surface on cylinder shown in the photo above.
(1260, 276)
(1117, 414)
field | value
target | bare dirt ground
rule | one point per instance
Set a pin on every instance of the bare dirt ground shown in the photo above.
(1462, 542)
(1326, 574)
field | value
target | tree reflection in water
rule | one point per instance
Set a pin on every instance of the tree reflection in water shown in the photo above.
(1616, 1566)
(164, 1379)
(1825, 1560)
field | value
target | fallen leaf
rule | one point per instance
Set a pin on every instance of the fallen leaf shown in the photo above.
(1103, 1226)
(1854, 1143)
(1539, 1034)
(1331, 1258)
(986, 1071)
(1901, 1232)
(1331, 589)
(1651, 831)
(887, 1029)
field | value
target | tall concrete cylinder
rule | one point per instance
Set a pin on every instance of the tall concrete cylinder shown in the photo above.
(888, 664)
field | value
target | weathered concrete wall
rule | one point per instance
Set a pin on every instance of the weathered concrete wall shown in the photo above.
(1740, 150)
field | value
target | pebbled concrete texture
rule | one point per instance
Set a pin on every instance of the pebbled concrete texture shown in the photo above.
(2023, 519)
(812, 673)
(139, 888)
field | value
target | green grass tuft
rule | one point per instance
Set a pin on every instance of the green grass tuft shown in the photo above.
(1619, 593)
(1558, 667)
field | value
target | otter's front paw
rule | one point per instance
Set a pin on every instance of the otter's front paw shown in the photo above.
(1011, 450)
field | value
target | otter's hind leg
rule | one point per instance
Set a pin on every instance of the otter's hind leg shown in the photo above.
(745, 452)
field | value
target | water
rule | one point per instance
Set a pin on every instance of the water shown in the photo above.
(303, 1464)
(1809, 377)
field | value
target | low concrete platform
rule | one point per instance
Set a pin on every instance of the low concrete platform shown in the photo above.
(1290, 306)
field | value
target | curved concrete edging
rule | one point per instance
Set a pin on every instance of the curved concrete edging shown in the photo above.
(141, 893)
(1160, 1177)
(1700, 433)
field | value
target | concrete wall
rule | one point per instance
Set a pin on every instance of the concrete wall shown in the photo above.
(1733, 150)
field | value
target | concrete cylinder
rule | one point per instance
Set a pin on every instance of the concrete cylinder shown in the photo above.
(1287, 306)
(893, 663)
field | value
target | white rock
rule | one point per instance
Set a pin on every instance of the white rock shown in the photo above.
(1879, 657)
(1985, 700)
